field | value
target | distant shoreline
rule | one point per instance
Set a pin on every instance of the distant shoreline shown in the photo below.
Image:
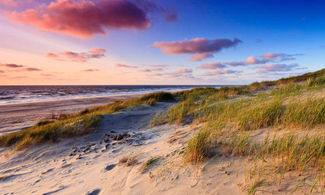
(14, 117)
(10, 95)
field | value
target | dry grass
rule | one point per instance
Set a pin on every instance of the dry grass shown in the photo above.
(129, 160)
(149, 164)
(76, 124)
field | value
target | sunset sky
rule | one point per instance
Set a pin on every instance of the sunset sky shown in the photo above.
(159, 41)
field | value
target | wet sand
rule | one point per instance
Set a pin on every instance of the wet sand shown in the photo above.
(14, 117)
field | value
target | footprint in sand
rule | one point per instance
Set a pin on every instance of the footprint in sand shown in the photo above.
(94, 192)
(109, 167)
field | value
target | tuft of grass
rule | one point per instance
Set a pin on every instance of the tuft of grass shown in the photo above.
(253, 189)
(149, 164)
(197, 148)
(129, 160)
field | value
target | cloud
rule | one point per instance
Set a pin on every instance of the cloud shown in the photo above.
(171, 16)
(281, 56)
(184, 70)
(12, 65)
(159, 66)
(8, 3)
(1, 71)
(249, 61)
(90, 70)
(198, 47)
(32, 69)
(271, 56)
(76, 56)
(124, 66)
(277, 68)
(215, 65)
(152, 69)
(15, 3)
(149, 7)
(47, 75)
(84, 18)
(219, 72)
(263, 59)
(19, 67)
(181, 72)
(200, 56)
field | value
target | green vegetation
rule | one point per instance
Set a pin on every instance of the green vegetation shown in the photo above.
(149, 164)
(75, 124)
(231, 115)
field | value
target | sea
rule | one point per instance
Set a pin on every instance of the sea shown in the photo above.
(28, 94)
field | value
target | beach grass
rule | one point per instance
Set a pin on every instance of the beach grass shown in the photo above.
(76, 124)
(229, 124)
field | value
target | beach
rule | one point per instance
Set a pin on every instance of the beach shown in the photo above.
(14, 117)
(93, 164)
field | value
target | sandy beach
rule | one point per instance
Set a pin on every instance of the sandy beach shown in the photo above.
(14, 117)
(92, 164)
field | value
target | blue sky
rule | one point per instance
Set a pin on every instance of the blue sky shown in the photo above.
(294, 29)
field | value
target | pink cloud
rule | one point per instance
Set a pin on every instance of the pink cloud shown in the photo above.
(184, 70)
(200, 56)
(283, 57)
(215, 65)
(76, 56)
(124, 66)
(250, 60)
(271, 56)
(152, 70)
(18, 67)
(263, 59)
(15, 3)
(1, 71)
(9, 3)
(83, 18)
(12, 65)
(219, 72)
(196, 46)
(277, 68)
(32, 69)
(159, 66)
(90, 70)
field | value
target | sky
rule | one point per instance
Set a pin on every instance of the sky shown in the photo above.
(158, 42)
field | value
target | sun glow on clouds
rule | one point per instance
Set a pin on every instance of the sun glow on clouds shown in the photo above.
(78, 57)
(80, 19)
(83, 18)
(199, 48)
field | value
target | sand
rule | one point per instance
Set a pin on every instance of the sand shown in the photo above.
(14, 117)
(90, 164)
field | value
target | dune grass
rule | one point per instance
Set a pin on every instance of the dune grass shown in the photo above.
(76, 124)
(286, 104)
(149, 164)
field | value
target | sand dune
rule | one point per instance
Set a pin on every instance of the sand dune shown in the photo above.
(90, 164)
